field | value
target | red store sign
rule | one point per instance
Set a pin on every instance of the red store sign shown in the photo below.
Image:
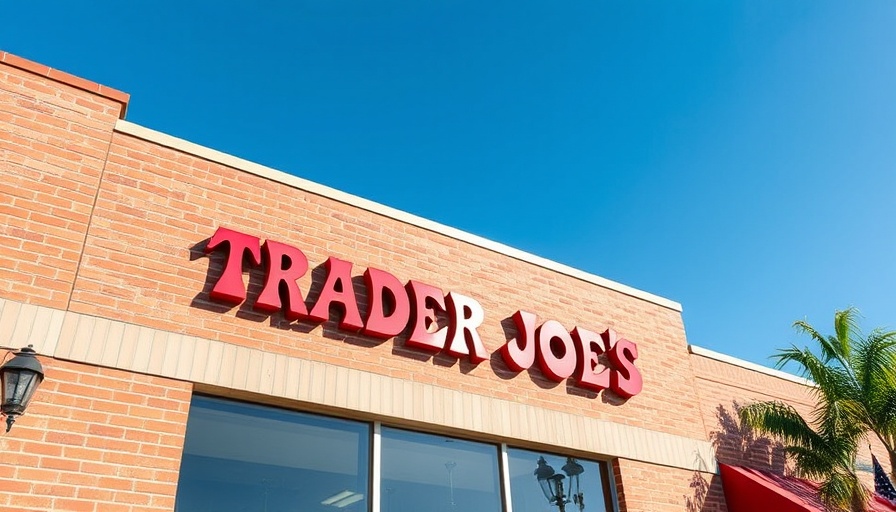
(393, 307)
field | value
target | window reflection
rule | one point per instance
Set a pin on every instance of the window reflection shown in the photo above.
(422, 472)
(241, 457)
(542, 482)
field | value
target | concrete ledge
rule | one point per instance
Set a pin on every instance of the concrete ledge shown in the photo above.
(25, 324)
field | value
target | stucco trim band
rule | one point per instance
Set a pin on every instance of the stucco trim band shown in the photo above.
(114, 344)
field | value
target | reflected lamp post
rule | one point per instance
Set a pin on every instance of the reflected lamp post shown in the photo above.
(573, 469)
(551, 483)
(450, 465)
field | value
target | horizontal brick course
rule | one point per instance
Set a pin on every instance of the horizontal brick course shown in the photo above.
(56, 75)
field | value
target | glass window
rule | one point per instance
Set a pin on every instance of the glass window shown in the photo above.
(240, 457)
(542, 482)
(431, 473)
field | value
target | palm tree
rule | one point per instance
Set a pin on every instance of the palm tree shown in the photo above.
(855, 388)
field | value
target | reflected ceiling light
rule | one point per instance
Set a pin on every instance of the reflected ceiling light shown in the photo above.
(336, 497)
(348, 501)
(343, 499)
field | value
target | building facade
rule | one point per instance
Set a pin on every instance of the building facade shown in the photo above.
(218, 335)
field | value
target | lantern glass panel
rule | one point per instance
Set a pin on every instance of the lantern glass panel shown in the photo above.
(547, 489)
(18, 388)
(573, 469)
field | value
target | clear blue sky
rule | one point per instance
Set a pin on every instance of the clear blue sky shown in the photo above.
(736, 157)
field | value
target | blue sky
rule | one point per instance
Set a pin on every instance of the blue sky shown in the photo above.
(736, 157)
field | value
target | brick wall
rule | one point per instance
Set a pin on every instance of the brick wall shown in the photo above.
(95, 440)
(644, 487)
(143, 264)
(106, 224)
(723, 387)
(54, 134)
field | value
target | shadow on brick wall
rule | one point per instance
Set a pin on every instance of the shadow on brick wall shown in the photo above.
(738, 445)
(707, 495)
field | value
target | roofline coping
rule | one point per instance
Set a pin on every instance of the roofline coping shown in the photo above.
(67, 79)
(206, 153)
(725, 358)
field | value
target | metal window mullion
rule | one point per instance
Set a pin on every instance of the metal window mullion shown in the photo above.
(376, 465)
(505, 478)
(610, 486)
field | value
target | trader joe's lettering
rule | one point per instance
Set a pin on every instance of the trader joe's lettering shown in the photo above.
(596, 361)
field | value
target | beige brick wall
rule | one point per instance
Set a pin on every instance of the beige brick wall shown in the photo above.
(96, 440)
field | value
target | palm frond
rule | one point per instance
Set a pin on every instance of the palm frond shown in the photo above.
(855, 389)
(833, 381)
(811, 463)
(843, 491)
(841, 419)
(828, 350)
(846, 329)
(875, 361)
(782, 421)
(876, 370)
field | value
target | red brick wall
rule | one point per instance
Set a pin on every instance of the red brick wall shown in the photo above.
(53, 142)
(96, 440)
(650, 488)
(722, 387)
(99, 439)
(143, 264)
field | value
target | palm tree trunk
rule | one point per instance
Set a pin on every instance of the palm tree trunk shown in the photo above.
(892, 465)
(858, 504)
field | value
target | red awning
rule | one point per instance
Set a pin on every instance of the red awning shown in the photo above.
(752, 490)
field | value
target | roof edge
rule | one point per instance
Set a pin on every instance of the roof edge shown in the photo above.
(67, 79)
(206, 153)
(725, 358)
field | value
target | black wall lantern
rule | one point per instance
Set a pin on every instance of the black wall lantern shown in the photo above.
(20, 377)
(551, 483)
